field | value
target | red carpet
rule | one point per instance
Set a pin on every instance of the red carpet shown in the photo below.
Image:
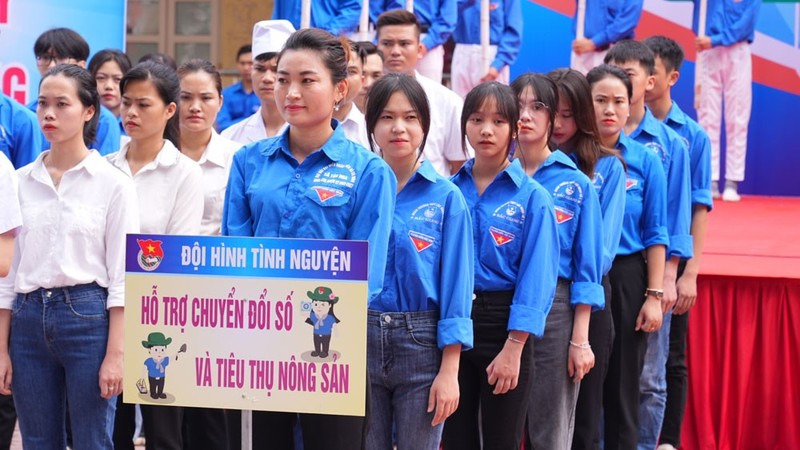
(757, 237)
(744, 336)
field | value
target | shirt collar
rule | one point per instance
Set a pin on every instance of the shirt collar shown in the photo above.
(427, 172)
(334, 148)
(649, 124)
(214, 153)
(167, 156)
(514, 171)
(558, 156)
(624, 141)
(676, 115)
(90, 164)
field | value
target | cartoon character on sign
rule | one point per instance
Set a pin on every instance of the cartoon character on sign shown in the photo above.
(322, 319)
(155, 367)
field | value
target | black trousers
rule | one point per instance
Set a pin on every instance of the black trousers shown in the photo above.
(590, 398)
(677, 377)
(204, 429)
(124, 425)
(162, 427)
(628, 278)
(8, 420)
(502, 417)
(156, 386)
(275, 431)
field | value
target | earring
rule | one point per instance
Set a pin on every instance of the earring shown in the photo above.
(337, 105)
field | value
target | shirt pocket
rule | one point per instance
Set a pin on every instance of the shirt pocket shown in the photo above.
(84, 224)
(214, 199)
(501, 244)
(567, 216)
(328, 196)
(417, 255)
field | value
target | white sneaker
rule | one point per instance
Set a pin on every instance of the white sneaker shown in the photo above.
(665, 447)
(730, 195)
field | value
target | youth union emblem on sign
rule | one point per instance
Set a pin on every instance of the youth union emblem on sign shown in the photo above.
(150, 254)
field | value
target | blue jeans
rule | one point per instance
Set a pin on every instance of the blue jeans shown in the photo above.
(551, 412)
(653, 386)
(403, 359)
(58, 342)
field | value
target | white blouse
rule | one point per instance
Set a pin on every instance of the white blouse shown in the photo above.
(444, 139)
(249, 130)
(170, 191)
(355, 127)
(74, 234)
(11, 217)
(216, 166)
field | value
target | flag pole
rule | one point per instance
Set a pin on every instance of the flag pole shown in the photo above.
(363, 28)
(410, 6)
(580, 20)
(305, 14)
(485, 35)
(698, 69)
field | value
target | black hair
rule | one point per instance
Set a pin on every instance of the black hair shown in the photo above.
(369, 49)
(669, 51)
(576, 91)
(604, 71)
(87, 94)
(243, 50)
(545, 90)
(106, 55)
(168, 86)
(507, 106)
(161, 58)
(63, 43)
(201, 65)
(628, 50)
(398, 17)
(382, 91)
(266, 57)
(361, 54)
(334, 52)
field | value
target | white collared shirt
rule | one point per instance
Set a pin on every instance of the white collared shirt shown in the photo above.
(170, 190)
(444, 139)
(11, 217)
(73, 235)
(249, 130)
(216, 166)
(355, 127)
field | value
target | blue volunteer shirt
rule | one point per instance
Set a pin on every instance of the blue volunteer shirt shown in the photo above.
(338, 192)
(674, 155)
(505, 28)
(237, 105)
(339, 17)
(609, 181)
(728, 21)
(608, 21)
(580, 228)
(516, 242)
(425, 270)
(107, 139)
(696, 140)
(20, 137)
(645, 220)
(437, 17)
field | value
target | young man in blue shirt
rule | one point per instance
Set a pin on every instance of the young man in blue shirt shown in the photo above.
(437, 19)
(505, 37)
(607, 21)
(726, 71)
(669, 57)
(239, 99)
(65, 46)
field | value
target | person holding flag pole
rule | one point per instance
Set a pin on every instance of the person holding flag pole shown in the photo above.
(599, 25)
(725, 30)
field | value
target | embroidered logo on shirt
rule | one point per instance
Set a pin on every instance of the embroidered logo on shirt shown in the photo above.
(510, 211)
(569, 190)
(420, 241)
(326, 194)
(658, 149)
(630, 183)
(150, 254)
(501, 237)
(429, 212)
(598, 180)
(563, 214)
(337, 175)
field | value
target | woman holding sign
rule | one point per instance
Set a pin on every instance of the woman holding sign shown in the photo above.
(170, 190)
(421, 321)
(282, 186)
(67, 281)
